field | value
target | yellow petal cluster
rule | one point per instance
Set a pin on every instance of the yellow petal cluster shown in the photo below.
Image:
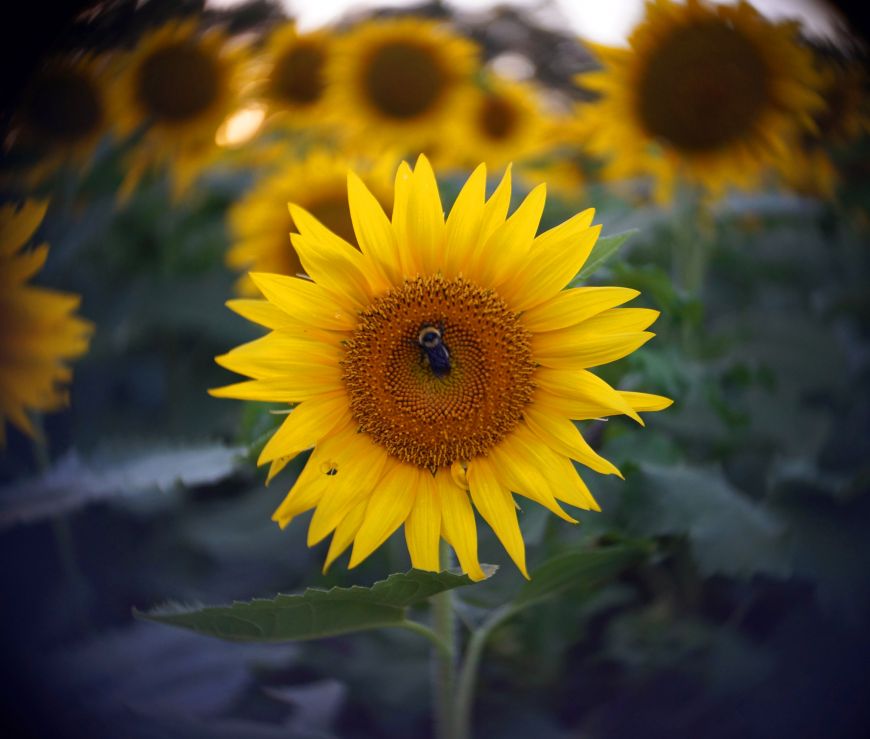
(39, 332)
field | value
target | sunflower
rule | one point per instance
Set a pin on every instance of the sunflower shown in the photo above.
(501, 122)
(713, 94)
(437, 369)
(179, 84)
(400, 81)
(808, 167)
(38, 331)
(63, 112)
(293, 79)
(260, 223)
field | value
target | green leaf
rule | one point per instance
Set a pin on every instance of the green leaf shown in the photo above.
(121, 469)
(730, 533)
(315, 613)
(604, 249)
(581, 569)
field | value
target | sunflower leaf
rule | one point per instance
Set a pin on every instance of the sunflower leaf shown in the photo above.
(116, 470)
(604, 249)
(315, 613)
(583, 570)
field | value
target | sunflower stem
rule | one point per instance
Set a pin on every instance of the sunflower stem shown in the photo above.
(444, 662)
(63, 538)
(470, 666)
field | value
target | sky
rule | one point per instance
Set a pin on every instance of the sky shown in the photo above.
(603, 22)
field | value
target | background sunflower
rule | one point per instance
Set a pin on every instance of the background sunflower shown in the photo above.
(399, 81)
(709, 93)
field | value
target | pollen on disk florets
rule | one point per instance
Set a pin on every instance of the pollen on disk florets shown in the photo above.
(428, 419)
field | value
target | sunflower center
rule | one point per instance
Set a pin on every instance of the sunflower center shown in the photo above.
(703, 87)
(178, 82)
(497, 117)
(297, 76)
(64, 105)
(438, 371)
(403, 80)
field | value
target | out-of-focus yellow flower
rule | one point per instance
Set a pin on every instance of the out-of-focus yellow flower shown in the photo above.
(178, 84)
(437, 368)
(400, 82)
(38, 331)
(260, 223)
(63, 113)
(499, 123)
(808, 167)
(713, 94)
(292, 79)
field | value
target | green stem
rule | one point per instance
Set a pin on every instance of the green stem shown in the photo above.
(470, 667)
(436, 641)
(63, 537)
(444, 667)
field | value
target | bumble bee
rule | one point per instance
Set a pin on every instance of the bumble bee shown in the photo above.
(432, 348)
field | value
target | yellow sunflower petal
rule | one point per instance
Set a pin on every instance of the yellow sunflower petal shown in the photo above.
(17, 225)
(304, 300)
(506, 251)
(344, 534)
(496, 504)
(621, 320)
(335, 265)
(570, 307)
(357, 468)
(567, 349)
(519, 470)
(261, 312)
(463, 223)
(388, 508)
(646, 401)
(560, 434)
(426, 217)
(302, 385)
(373, 229)
(460, 529)
(553, 261)
(307, 424)
(582, 390)
(423, 526)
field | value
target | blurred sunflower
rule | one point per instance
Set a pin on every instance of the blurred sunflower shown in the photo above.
(294, 82)
(63, 113)
(260, 223)
(38, 331)
(713, 94)
(500, 123)
(400, 81)
(437, 367)
(178, 84)
(808, 167)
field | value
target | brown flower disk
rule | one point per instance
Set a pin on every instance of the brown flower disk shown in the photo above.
(433, 421)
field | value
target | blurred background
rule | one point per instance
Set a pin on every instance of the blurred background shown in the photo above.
(153, 147)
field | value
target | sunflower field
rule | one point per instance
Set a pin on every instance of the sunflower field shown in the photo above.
(434, 373)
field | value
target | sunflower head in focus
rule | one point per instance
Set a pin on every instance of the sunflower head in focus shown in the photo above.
(260, 223)
(710, 93)
(293, 76)
(500, 122)
(178, 84)
(39, 332)
(437, 369)
(63, 112)
(400, 81)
